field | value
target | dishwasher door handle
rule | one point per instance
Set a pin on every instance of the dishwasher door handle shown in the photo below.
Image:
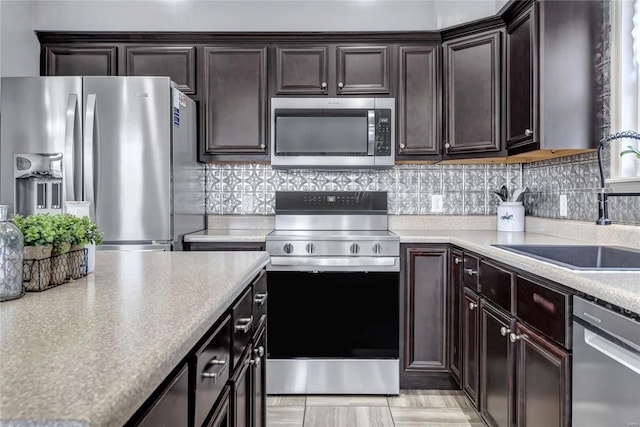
(613, 351)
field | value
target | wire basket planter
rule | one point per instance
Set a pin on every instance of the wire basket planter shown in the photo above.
(42, 274)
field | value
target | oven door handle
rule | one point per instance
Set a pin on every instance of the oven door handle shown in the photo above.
(335, 261)
(617, 353)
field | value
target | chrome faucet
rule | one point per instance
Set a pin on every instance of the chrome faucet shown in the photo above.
(603, 195)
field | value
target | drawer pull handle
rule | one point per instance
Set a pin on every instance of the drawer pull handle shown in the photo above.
(470, 271)
(457, 260)
(244, 324)
(504, 331)
(260, 299)
(472, 305)
(547, 305)
(513, 337)
(213, 375)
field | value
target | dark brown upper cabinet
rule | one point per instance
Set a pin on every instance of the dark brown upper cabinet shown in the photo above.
(234, 107)
(177, 62)
(301, 69)
(521, 63)
(472, 91)
(418, 102)
(331, 69)
(362, 69)
(74, 60)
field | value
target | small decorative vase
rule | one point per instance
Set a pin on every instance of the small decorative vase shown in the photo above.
(510, 216)
(11, 244)
(637, 164)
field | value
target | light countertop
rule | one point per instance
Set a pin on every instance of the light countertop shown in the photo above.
(620, 288)
(90, 352)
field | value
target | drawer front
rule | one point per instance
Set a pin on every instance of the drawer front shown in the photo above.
(544, 308)
(470, 272)
(260, 299)
(213, 369)
(496, 284)
(242, 323)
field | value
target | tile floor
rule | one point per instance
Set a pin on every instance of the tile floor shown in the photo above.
(424, 408)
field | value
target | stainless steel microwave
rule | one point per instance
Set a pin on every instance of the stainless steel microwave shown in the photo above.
(332, 132)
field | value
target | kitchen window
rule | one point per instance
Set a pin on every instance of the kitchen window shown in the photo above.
(625, 91)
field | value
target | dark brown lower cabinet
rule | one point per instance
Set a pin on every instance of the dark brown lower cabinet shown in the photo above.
(543, 380)
(455, 328)
(423, 354)
(260, 379)
(470, 361)
(497, 366)
(172, 406)
(221, 415)
(241, 393)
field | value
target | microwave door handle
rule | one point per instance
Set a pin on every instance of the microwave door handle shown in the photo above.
(371, 122)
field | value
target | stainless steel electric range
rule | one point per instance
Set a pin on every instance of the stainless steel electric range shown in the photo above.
(333, 287)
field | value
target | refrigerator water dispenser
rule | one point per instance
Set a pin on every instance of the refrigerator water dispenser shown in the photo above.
(38, 183)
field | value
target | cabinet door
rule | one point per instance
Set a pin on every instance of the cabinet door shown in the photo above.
(362, 69)
(521, 97)
(455, 297)
(472, 95)
(172, 407)
(543, 372)
(241, 398)
(80, 61)
(424, 324)
(418, 101)
(470, 363)
(177, 62)
(259, 379)
(496, 366)
(221, 416)
(234, 102)
(301, 70)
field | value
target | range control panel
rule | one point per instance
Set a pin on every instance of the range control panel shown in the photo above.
(324, 201)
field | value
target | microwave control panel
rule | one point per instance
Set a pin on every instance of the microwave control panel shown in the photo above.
(383, 133)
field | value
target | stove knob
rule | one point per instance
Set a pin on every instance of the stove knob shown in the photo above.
(288, 248)
(377, 248)
(354, 248)
(311, 248)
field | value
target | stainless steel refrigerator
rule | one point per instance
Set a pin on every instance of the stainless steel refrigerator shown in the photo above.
(126, 144)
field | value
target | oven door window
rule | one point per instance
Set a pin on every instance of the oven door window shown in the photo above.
(319, 132)
(333, 315)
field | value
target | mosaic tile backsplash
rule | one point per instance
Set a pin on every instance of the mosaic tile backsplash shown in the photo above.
(466, 189)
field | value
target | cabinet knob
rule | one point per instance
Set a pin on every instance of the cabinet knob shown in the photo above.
(528, 132)
(514, 337)
(470, 272)
(447, 146)
(262, 146)
(323, 85)
(457, 260)
(504, 331)
(259, 351)
(473, 305)
(340, 85)
(402, 146)
(254, 362)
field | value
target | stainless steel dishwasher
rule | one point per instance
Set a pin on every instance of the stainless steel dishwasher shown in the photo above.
(606, 367)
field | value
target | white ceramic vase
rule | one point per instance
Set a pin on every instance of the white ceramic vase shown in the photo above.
(510, 216)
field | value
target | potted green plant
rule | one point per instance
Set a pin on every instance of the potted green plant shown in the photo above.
(82, 232)
(39, 234)
(636, 152)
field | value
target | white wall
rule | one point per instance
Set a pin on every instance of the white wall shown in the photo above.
(19, 47)
(257, 15)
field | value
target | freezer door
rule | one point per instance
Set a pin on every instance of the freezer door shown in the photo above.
(41, 115)
(127, 146)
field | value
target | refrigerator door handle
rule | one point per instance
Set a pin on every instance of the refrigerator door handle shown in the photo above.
(70, 138)
(91, 149)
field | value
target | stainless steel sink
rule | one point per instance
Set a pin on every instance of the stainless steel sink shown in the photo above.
(575, 257)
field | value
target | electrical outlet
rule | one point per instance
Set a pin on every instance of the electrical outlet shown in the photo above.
(247, 203)
(436, 203)
(563, 205)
